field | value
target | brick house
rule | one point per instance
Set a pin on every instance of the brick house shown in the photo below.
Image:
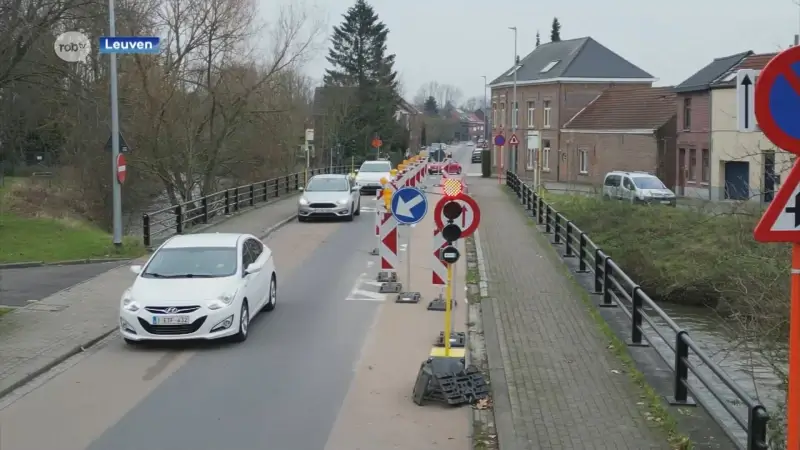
(694, 126)
(554, 82)
(621, 129)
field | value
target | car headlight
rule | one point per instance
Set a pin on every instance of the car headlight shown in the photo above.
(303, 201)
(343, 201)
(222, 301)
(128, 303)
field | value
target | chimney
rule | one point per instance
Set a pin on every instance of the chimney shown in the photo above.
(796, 40)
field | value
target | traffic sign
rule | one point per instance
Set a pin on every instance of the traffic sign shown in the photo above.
(469, 226)
(123, 146)
(513, 140)
(499, 140)
(122, 169)
(376, 142)
(781, 220)
(745, 100)
(409, 205)
(449, 254)
(777, 98)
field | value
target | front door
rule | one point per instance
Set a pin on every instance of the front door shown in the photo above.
(737, 180)
(681, 171)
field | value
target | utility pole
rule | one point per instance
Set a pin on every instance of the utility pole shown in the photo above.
(485, 107)
(512, 165)
(116, 188)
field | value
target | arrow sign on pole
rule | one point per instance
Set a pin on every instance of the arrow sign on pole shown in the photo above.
(745, 100)
(409, 205)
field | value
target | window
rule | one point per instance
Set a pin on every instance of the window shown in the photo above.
(627, 184)
(549, 66)
(687, 113)
(547, 113)
(583, 156)
(531, 111)
(502, 114)
(515, 116)
(648, 183)
(494, 114)
(376, 166)
(612, 181)
(337, 184)
(705, 168)
(199, 262)
(531, 163)
(693, 164)
(546, 154)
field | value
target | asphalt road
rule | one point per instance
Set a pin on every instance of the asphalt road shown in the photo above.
(20, 286)
(282, 389)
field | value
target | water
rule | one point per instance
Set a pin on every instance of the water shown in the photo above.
(741, 360)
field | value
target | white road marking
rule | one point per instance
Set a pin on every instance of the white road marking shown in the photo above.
(363, 295)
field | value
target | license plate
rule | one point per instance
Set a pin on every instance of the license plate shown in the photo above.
(321, 209)
(171, 320)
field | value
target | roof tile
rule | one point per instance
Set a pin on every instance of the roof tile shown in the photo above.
(627, 109)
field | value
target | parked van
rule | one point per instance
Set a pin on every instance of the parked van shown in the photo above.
(637, 187)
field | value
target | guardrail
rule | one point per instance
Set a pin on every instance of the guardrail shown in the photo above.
(618, 289)
(179, 218)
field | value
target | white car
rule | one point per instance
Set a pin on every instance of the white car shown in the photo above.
(637, 187)
(199, 286)
(368, 176)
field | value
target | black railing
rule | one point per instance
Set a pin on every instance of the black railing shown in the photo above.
(179, 218)
(619, 290)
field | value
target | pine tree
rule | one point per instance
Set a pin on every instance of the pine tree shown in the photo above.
(430, 107)
(359, 60)
(538, 39)
(555, 31)
(423, 137)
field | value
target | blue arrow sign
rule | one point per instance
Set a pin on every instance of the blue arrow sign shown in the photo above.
(409, 205)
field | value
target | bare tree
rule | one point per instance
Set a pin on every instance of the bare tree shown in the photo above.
(443, 93)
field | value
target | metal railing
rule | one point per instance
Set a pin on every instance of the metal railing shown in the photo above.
(179, 218)
(619, 290)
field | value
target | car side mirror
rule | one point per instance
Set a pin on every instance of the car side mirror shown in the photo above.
(137, 269)
(253, 268)
(355, 188)
(356, 171)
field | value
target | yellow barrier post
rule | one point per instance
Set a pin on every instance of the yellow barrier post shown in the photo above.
(448, 294)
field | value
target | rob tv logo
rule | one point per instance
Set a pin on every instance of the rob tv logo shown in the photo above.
(73, 46)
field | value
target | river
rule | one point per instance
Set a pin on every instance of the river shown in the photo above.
(739, 359)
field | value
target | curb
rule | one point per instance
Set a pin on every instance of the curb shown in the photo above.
(70, 262)
(96, 339)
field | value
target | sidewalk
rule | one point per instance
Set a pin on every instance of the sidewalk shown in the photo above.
(563, 391)
(41, 335)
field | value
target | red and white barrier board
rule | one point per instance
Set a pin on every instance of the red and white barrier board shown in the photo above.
(388, 244)
(439, 272)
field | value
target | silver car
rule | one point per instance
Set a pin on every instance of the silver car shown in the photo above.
(329, 196)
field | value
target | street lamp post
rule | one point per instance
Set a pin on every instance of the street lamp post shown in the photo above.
(512, 165)
(116, 188)
(485, 107)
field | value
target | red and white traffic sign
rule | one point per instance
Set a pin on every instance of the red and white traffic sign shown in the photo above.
(513, 140)
(470, 215)
(781, 220)
(122, 169)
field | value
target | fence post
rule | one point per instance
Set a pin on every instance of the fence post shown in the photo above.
(547, 219)
(608, 302)
(227, 202)
(146, 230)
(681, 393)
(524, 197)
(266, 191)
(204, 206)
(236, 199)
(757, 419)
(539, 210)
(534, 203)
(582, 253)
(557, 229)
(277, 188)
(252, 194)
(296, 181)
(288, 189)
(179, 219)
(636, 318)
(598, 271)
(568, 239)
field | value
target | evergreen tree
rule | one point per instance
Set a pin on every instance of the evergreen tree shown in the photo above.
(423, 137)
(555, 31)
(430, 107)
(538, 39)
(359, 60)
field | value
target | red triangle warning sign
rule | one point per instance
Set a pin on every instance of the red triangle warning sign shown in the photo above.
(437, 279)
(390, 241)
(781, 220)
(513, 140)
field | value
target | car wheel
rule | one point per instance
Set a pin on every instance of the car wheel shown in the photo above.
(244, 323)
(349, 217)
(273, 295)
(606, 197)
(358, 208)
(131, 342)
(302, 219)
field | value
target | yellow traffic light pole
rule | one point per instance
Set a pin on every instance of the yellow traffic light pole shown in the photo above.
(448, 311)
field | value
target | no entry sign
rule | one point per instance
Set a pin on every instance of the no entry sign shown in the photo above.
(122, 169)
(471, 213)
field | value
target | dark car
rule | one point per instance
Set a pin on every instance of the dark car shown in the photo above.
(476, 155)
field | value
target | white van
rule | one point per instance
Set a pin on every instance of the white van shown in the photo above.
(637, 187)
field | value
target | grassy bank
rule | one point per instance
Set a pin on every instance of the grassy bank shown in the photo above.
(689, 256)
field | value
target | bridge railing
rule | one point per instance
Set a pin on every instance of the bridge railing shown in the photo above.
(178, 219)
(619, 290)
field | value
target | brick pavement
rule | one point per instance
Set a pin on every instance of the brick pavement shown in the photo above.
(34, 338)
(563, 390)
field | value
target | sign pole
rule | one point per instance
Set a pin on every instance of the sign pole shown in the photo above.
(408, 258)
(793, 416)
(448, 294)
(116, 189)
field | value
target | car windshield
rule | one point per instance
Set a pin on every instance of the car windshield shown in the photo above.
(437, 155)
(328, 185)
(648, 183)
(192, 262)
(376, 167)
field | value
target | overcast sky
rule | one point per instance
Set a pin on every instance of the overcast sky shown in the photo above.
(456, 42)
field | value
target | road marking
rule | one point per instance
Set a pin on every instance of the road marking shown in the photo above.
(474, 174)
(368, 209)
(362, 295)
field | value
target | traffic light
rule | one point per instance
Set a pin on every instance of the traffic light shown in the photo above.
(451, 232)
